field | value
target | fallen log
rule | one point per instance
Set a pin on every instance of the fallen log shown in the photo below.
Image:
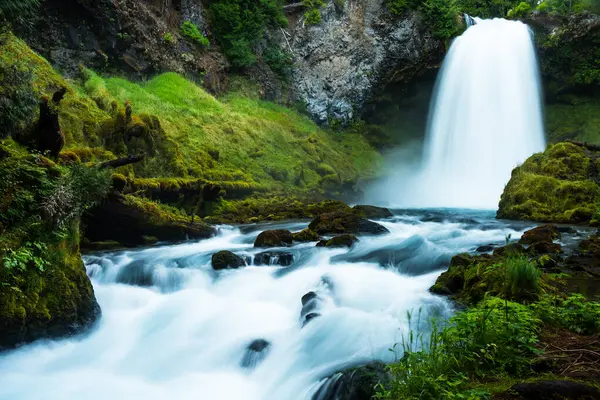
(120, 162)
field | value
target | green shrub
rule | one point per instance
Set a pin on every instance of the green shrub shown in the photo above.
(279, 61)
(520, 11)
(239, 25)
(169, 38)
(522, 278)
(443, 16)
(494, 338)
(398, 7)
(488, 8)
(575, 313)
(191, 31)
(543, 7)
(313, 15)
(18, 102)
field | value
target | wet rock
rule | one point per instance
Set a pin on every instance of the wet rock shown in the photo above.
(274, 258)
(544, 233)
(371, 211)
(544, 248)
(274, 238)
(255, 352)
(346, 240)
(357, 383)
(551, 390)
(511, 248)
(310, 303)
(344, 222)
(306, 235)
(566, 229)
(226, 259)
(309, 317)
(308, 297)
(485, 248)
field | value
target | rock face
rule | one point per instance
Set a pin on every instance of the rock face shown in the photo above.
(344, 222)
(226, 259)
(356, 49)
(274, 238)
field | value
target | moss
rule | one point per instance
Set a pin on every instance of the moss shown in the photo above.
(558, 185)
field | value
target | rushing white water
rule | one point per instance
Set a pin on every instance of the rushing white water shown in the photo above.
(172, 328)
(485, 119)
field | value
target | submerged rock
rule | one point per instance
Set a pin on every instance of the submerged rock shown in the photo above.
(485, 248)
(274, 238)
(274, 258)
(357, 383)
(306, 235)
(255, 352)
(346, 240)
(226, 259)
(344, 222)
(310, 302)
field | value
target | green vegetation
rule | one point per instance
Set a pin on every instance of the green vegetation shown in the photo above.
(279, 61)
(574, 313)
(521, 10)
(312, 14)
(191, 31)
(169, 38)
(443, 16)
(239, 25)
(557, 185)
(15, 8)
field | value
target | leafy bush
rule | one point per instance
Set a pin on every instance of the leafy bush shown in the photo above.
(239, 25)
(496, 337)
(313, 15)
(18, 102)
(520, 11)
(169, 38)
(575, 313)
(191, 31)
(522, 278)
(442, 16)
(279, 61)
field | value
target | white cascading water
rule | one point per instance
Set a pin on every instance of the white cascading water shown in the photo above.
(173, 328)
(485, 119)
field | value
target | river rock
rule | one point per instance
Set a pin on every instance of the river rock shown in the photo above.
(514, 248)
(550, 390)
(274, 258)
(226, 259)
(371, 211)
(274, 238)
(357, 383)
(544, 233)
(255, 353)
(346, 240)
(485, 248)
(306, 235)
(310, 302)
(344, 222)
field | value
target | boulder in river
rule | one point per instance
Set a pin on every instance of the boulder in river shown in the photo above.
(281, 258)
(346, 240)
(358, 383)
(226, 259)
(345, 222)
(255, 353)
(274, 238)
(544, 233)
(371, 211)
(306, 235)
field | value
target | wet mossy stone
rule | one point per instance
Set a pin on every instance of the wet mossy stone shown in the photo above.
(371, 211)
(542, 233)
(358, 383)
(344, 222)
(306, 235)
(274, 238)
(511, 248)
(226, 259)
(345, 240)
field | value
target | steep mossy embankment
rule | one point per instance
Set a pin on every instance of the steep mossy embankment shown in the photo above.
(558, 185)
(44, 289)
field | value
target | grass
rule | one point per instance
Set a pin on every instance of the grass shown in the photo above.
(523, 278)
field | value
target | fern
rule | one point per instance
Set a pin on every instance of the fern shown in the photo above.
(16, 7)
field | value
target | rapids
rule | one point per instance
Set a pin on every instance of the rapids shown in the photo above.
(173, 328)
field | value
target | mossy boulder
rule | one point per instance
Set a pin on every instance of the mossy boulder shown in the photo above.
(345, 222)
(357, 383)
(130, 220)
(226, 259)
(542, 233)
(346, 240)
(371, 211)
(559, 185)
(306, 235)
(274, 238)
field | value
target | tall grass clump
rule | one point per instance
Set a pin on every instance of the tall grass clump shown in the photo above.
(495, 338)
(523, 278)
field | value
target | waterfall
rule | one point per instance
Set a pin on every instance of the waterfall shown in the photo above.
(485, 119)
